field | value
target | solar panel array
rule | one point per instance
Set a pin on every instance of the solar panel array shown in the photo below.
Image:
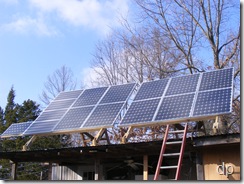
(15, 129)
(182, 98)
(87, 109)
(161, 101)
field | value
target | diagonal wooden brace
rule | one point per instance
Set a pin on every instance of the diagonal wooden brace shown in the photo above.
(127, 135)
(28, 143)
(98, 137)
(83, 137)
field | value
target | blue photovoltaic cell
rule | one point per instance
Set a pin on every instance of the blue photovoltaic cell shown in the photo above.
(68, 95)
(213, 102)
(175, 107)
(118, 93)
(141, 111)
(41, 127)
(90, 97)
(151, 89)
(16, 129)
(184, 84)
(61, 104)
(74, 118)
(104, 115)
(217, 79)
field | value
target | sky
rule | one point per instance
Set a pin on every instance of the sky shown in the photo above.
(37, 37)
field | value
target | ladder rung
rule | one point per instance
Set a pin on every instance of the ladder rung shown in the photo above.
(174, 142)
(171, 154)
(169, 167)
(176, 131)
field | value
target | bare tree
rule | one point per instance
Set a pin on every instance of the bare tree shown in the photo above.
(60, 80)
(174, 37)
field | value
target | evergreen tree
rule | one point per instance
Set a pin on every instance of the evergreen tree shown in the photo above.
(10, 109)
(28, 111)
(1, 120)
(15, 113)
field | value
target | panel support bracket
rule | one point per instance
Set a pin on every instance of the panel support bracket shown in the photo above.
(216, 124)
(28, 143)
(127, 135)
(98, 137)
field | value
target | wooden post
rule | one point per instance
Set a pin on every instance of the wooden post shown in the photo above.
(145, 167)
(199, 167)
(216, 124)
(97, 169)
(83, 139)
(14, 170)
(50, 170)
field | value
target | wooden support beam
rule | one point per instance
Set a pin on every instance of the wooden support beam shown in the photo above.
(145, 167)
(50, 170)
(14, 170)
(106, 136)
(28, 143)
(216, 124)
(98, 137)
(199, 167)
(97, 170)
(83, 139)
(127, 135)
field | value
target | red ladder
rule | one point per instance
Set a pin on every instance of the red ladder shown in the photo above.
(180, 154)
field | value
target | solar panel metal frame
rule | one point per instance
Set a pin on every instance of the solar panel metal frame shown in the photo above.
(191, 117)
(5, 134)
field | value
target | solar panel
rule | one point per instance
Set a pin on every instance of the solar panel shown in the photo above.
(16, 129)
(90, 97)
(51, 115)
(151, 89)
(175, 107)
(74, 118)
(60, 104)
(104, 115)
(41, 127)
(118, 93)
(68, 95)
(184, 84)
(213, 102)
(141, 111)
(182, 98)
(217, 79)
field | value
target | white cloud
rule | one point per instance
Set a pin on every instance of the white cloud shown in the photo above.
(89, 77)
(26, 25)
(93, 14)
